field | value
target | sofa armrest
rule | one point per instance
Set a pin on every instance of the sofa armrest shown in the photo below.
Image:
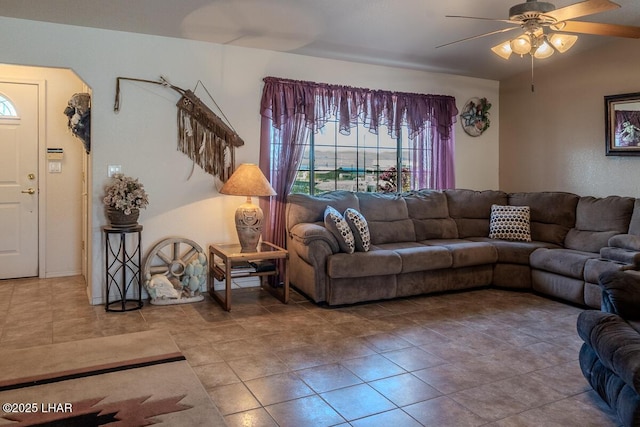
(621, 294)
(630, 242)
(306, 233)
(615, 343)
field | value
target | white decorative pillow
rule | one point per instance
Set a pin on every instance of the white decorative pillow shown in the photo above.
(360, 229)
(510, 223)
(336, 224)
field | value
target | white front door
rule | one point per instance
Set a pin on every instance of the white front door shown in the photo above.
(18, 180)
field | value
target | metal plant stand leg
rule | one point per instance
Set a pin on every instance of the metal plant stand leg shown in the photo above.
(123, 259)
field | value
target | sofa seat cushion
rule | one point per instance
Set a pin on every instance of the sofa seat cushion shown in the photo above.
(466, 253)
(566, 262)
(595, 267)
(514, 252)
(375, 262)
(418, 257)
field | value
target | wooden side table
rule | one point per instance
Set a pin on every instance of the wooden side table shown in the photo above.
(123, 259)
(223, 258)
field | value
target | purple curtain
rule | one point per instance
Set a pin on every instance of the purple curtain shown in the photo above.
(291, 109)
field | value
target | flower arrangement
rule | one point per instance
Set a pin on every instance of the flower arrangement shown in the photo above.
(388, 180)
(125, 194)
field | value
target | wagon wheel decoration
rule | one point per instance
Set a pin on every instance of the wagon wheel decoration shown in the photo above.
(183, 263)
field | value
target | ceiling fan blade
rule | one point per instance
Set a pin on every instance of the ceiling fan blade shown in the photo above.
(504, 30)
(602, 29)
(584, 8)
(484, 19)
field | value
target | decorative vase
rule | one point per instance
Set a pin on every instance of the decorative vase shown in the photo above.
(118, 219)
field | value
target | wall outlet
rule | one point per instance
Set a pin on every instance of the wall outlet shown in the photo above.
(114, 169)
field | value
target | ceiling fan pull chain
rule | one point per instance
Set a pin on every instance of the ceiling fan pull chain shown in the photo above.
(532, 84)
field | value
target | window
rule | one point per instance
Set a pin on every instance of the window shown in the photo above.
(6, 108)
(361, 161)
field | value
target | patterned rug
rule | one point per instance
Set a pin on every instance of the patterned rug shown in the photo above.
(127, 380)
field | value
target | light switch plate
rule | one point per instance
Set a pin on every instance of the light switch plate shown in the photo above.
(114, 169)
(55, 167)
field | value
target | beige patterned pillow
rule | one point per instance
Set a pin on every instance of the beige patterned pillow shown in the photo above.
(336, 224)
(358, 224)
(510, 223)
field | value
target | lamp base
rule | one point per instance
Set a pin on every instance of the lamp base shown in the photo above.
(249, 219)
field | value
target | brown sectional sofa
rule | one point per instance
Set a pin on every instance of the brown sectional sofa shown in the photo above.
(430, 241)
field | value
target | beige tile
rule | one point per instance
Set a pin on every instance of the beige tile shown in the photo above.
(306, 411)
(233, 398)
(443, 412)
(328, 377)
(278, 388)
(253, 418)
(357, 401)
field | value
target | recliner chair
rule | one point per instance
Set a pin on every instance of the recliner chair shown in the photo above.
(610, 355)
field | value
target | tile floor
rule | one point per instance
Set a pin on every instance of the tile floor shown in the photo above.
(479, 358)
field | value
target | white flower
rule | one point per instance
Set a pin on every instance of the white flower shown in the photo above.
(125, 193)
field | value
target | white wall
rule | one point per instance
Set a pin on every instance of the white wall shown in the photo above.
(62, 195)
(142, 137)
(554, 138)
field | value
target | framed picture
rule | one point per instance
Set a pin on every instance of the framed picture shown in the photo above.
(622, 124)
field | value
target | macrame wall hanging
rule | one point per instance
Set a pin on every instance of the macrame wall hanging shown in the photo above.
(202, 135)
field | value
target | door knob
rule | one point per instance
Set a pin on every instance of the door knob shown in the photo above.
(29, 191)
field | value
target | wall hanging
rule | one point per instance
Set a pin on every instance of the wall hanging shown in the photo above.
(202, 135)
(475, 116)
(622, 124)
(79, 113)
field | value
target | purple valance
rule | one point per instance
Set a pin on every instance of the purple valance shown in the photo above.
(320, 102)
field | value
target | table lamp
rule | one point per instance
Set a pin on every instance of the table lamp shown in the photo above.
(248, 180)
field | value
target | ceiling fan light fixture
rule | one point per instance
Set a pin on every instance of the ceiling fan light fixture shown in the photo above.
(521, 44)
(562, 42)
(544, 50)
(503, 49)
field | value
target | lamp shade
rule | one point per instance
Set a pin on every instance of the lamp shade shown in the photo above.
(248, 180)
(562, 42)
(503, 49)
(544, 50)
(521, 44)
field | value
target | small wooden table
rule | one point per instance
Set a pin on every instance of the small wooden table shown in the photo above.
(224, 258)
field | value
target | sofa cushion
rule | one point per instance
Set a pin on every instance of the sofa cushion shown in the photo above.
(360, 229)
(511, 252)
(634, 224)
(552, 213)
(466, 253)
(597, 220)
(418, 257)
(305, 208)
(387, 217)
(566, 262)
(430, 215)
(471, 210)
(510, 223)
(336, 224)
(376, 262)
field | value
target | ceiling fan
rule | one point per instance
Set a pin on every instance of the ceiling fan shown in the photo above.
(534, 17)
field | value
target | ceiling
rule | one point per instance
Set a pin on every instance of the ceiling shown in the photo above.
(400, 33)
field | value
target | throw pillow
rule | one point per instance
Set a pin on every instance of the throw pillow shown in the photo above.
(510, 223)
(335, 223)
(360, 229)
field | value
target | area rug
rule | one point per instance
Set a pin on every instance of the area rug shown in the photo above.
(137, 379)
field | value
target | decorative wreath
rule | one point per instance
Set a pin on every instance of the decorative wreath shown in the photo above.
(475, 116)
